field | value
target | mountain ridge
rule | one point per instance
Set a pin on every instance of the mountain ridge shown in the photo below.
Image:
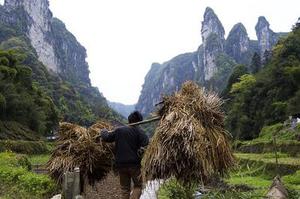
(211, 64)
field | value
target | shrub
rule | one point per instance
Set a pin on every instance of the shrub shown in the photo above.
(19, 181)
(172, 189)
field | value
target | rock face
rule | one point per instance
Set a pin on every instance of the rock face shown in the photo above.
(39, 17)
(238, 43)
(212, 33)
(166, 78)
(266, 37)
(55, 46)
(210, 65)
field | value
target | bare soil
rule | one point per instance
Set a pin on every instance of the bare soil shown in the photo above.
(109, 188)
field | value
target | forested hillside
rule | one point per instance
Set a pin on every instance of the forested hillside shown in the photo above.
(268, 96)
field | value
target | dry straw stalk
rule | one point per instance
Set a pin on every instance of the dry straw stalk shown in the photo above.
(190, 142)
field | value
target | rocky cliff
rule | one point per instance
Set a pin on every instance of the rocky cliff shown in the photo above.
(266, 37)
(211, 64)
(55, 46)
(238, 44)
(212, 33)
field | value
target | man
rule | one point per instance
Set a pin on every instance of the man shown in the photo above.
(129, 141)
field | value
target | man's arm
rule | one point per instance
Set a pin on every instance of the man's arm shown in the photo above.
(143, 139)
(108, 137)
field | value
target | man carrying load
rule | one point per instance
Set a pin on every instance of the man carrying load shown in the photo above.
(129, 140)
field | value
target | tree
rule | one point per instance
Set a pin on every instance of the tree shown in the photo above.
(255, 65)
(246, 82)
(238, 71)
(267, 57)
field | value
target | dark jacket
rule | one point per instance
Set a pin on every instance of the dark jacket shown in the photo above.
(128, 140)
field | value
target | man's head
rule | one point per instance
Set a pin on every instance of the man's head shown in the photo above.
(135, 117)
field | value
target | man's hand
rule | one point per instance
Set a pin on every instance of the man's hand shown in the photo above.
(141, 151)
(107, 136)
(102, 131)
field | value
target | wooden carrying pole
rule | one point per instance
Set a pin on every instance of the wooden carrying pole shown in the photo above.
(153, 119)
(145, 121)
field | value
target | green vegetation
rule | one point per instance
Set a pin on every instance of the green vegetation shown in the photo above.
(269, 96)
(279, 130)
(256, 64)
(16, 131)
(270, 158)
(23, 147)
(286, 141)
(20, 99)
(234, 194)
(18, 182)
(39, 159)
(256, 172)
(175, 190)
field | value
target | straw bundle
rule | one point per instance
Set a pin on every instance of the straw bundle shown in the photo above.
(190, 142)
(78, 147)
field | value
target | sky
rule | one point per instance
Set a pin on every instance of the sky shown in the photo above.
(124, 37)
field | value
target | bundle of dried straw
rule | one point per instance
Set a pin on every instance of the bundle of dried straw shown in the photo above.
(190, 142)
(79, 147)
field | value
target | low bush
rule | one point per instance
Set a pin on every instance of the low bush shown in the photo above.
(172, 189)
(19, 181)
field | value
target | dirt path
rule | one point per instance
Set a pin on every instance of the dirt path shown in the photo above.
(106, 189)
(110, 189)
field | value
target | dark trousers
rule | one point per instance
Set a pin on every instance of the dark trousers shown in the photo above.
(126, 176)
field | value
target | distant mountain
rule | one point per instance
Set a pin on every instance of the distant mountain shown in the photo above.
(122, 109)
(213, 62)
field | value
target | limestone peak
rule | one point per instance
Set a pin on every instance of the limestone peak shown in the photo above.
(211, 24)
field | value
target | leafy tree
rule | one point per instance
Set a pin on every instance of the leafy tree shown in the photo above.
(245, 83)
(238, 71)
(255, 65)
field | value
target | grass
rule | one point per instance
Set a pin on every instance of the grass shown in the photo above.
(256, 171)
(293, 180)
(282, 132)
(286, 140)
(39, 159)
(252, 181)
(269, 158)
(235, 194)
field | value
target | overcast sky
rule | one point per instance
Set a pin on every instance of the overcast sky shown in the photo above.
(123, 37)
